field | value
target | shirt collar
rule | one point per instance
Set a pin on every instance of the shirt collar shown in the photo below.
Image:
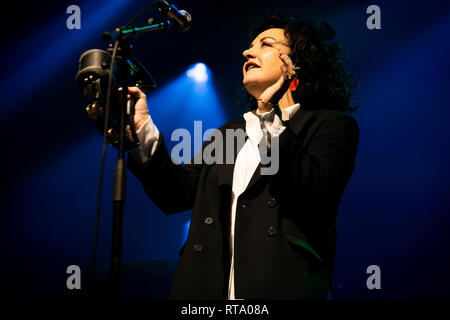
(253, 120)
(286, 113)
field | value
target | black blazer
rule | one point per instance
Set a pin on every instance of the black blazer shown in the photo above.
(285, 228)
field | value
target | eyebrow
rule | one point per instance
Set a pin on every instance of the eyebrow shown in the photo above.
(260, 40)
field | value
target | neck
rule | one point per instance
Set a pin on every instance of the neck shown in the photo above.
(286, 100)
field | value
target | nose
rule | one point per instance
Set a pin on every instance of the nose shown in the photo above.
(248, 54)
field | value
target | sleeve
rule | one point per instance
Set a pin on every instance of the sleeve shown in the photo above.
(148, 136)
(172, 187)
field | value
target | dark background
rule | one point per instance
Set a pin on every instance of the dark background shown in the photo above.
(394, 213)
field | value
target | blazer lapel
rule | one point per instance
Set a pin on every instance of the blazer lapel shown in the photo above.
(225, 171)
(298, 124)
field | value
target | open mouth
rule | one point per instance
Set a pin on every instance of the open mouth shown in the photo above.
(251, 65)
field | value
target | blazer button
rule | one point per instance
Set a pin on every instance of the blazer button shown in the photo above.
(245, 204)
(271, 203)
(209, 220)
(271, 231)
(198, 247)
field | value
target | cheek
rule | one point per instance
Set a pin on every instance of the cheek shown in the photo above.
(272, 63)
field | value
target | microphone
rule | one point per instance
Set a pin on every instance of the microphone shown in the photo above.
(181, 18)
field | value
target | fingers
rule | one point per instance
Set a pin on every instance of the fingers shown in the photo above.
(287, 60)
(287, 66)
(284, 72)
(134, 91)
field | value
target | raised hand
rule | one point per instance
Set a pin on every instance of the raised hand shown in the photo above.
(141, 109)
(273, 94)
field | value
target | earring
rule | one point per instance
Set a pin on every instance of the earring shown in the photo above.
(294, 84)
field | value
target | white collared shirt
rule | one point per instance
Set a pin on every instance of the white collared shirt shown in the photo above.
(247, 159)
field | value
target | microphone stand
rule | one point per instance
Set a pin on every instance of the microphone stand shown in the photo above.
(119, 189)
(123, 36)
(129, 32)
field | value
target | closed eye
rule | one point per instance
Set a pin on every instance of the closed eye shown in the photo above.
(262, 44)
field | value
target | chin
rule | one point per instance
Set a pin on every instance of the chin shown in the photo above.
(253, 89)
(255, 86)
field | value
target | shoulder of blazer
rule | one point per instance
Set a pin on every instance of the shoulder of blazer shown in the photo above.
(334, 119)
(302, 119)
(321, 118)
(332, 114)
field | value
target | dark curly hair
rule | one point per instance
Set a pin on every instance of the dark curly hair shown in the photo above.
(324, 82)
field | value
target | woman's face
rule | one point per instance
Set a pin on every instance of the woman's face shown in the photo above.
(263, 55)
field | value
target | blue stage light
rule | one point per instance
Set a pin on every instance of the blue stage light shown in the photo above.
(186, 231)
(198, 72)
(60, 47)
